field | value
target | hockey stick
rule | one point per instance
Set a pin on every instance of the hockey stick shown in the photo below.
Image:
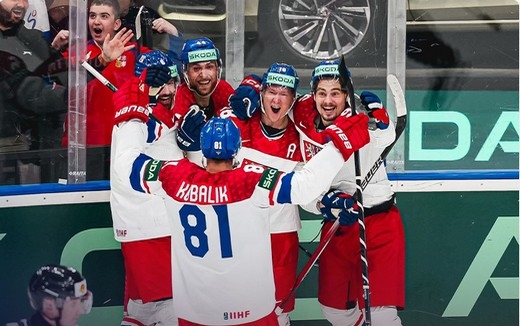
(107, 83)
(97, 74)
(400, 103)
(138, 30)
(345, 76)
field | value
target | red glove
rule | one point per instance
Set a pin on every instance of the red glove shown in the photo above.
(348, 134)
(163, 115)
(131, 100)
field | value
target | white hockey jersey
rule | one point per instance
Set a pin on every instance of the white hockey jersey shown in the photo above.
(378, 190)
(221, 255)
(137, 216)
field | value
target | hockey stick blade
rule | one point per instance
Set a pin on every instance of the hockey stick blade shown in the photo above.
(401, 111)
(398, 94)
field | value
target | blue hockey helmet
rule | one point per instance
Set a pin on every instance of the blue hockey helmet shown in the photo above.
(58, 282)
(199, 50)
(281, 74)
(327, 69)
(155, 58)
(220, 139)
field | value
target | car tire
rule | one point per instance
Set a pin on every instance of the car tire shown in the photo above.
(282, 37)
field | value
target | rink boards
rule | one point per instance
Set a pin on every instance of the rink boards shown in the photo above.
(462, 248)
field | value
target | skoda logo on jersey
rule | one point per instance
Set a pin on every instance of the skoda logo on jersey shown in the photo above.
(282, 80)
(326, 70)
(202, 55)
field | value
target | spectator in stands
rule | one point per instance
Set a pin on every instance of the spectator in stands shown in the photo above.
(31, 92)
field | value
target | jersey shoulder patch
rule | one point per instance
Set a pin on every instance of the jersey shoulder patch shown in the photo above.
(152, 170)
(269, 178)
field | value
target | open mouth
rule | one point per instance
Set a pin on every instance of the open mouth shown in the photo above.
(96, 31)
(17, 13)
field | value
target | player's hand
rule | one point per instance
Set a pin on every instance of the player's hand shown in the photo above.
(246, 98)
(348, 134)
(337, 204)
(131, 101)
(375, 109)
(188, 135)
(157, 76)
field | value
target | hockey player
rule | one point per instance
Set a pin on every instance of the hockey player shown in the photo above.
(203, 87)
(271, 132)
(340, 283)
(140, 221)
(222, 272)
(59, 295)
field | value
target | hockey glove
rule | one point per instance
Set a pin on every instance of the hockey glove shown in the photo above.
(131, 101)
(376, 110)
(246, 98)
(336, 204)
(157, 76)
(348, 134)
(188, 135)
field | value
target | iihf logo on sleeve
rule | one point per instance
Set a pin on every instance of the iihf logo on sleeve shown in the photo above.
(236, 314)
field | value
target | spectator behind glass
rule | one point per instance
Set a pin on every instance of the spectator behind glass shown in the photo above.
(113, 55)
(157, 32)
(36, 17)
(58, 11)
(32, 95)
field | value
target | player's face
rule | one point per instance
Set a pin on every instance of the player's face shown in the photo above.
(167, 94)
(12, 12)
(277, 101)
(101, 22)
(203, 76)
(330, 100)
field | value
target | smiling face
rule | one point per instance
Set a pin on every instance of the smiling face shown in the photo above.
(277, 101)
(102, 20)
(167, 94)
(330, 99)
(12, 13)
(202, 77)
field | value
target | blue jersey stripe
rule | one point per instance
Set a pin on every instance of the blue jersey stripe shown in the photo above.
(135, 174)
(284, 195)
